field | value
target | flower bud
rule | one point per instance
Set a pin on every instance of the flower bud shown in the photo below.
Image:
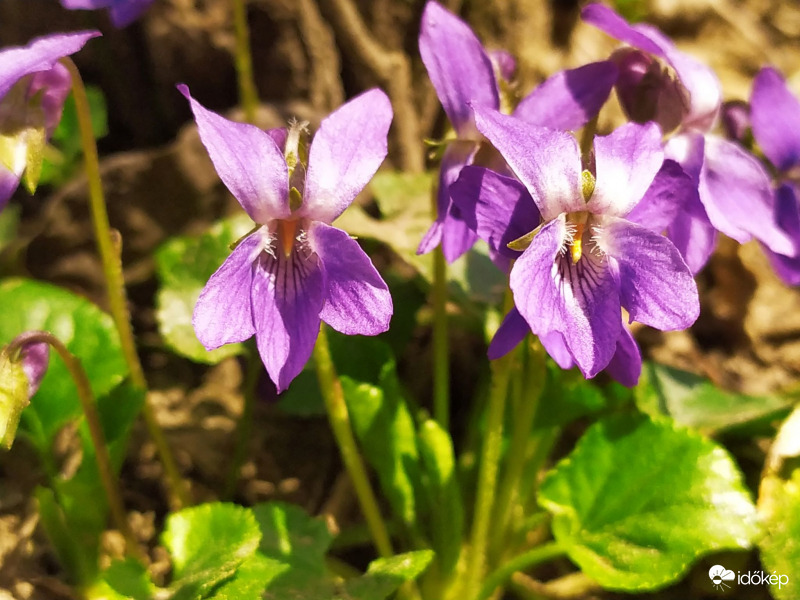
(22, 366)
(649, 91)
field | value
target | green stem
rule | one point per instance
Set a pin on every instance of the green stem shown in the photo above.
(339, 417)
(107, 477)
(248, 95)
(109, 248)
(531, 387)
(245, 425)
(529, 559)
(441, 354)
(487, 470)
(587, 138)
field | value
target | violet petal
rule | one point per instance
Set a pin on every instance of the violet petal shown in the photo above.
(568, 99)
(579, 300)
(775, 114)
(737, 194)
(247, 160)
(499, 209)
(626, 364)
(556, 347)
(222, 314)
(358, 300)
(39, 55)
(627, 161)
(671, 189)
(547, 162)
(458, 66)
(511, 332)
(346, 151)
(656, 286)
(287, 296)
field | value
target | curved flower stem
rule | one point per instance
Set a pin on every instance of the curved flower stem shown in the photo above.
(339, 418)
(487, 473)
(245, 425)
(248, 95)
(532, 381)
(529, 559)
(109, 247)
(107, 477)
(441, 354)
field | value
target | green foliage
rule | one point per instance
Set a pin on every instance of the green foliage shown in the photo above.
(207, 544)
(638, 500)
(62, 158)
(384, 427)
(85, 330)
(779, 509)
(272, 551)
(442, 492)
(694, 401)
(183, 265)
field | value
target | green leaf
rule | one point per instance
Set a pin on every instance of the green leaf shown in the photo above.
(9, 223)
(79, 564)
(290, 535)
(386, 575)
(638, 500)
(694, 401)
(85, 330)
(254, 575)
(183, 265)
(779, 509)
(440, 482)
(207, 544)
(293, 538)
(385, 429)
(63, 157)
(567, 396)
(126, 579)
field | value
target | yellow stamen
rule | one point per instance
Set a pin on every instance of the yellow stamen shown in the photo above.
(287, 235)
(577, 243)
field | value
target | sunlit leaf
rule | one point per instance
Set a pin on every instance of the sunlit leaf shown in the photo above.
(637, 501)
(183, 265)
(779, 508)
(85, 330)
(692, 400)
(207, 544)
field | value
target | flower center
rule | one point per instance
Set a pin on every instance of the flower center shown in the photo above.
(287, 235)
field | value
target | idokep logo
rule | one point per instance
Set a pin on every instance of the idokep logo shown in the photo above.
(719, 575)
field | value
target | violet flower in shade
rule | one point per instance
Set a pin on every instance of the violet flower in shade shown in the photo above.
(122, 12)
(21, 373)
(586, 261)
(775, 120)
(295, 269)
(464, 75)
(733, 191)
(33, 87)
(500, 210)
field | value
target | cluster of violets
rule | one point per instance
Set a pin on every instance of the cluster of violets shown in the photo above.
(590, 234)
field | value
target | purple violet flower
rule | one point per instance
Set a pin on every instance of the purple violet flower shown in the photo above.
(21, 373)
(775, 118)
(733, 192)
(586, 262)
(122, 12)
(464, 76)
(295, 269)
(33, 87)
(500, 210)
